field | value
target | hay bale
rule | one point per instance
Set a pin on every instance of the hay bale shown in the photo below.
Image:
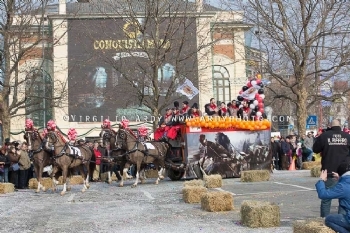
(194, 183)
(311, 226)
(217, 201)
(213, 181)
(192, 194)
(7, 188)
(114, 177)
(315, 171)
(310, 164)
(76, 180)
(255, 175)
(256, 214)
(150, 173)
(45, 181)
(104, 176)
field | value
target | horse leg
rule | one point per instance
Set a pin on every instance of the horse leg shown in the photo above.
(38, 177)
(109, 174)
(124, 175)
(87, 179)
(143, 176)
(64, 180)
(138, 166)
(54, 180)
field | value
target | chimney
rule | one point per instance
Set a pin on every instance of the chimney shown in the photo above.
(62, 7)
(199, 5)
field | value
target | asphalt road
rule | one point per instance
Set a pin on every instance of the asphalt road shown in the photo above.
(154, 208)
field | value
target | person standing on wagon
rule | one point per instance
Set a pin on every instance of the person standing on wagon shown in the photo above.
(334, 145)
(194, 111)
(211, 109)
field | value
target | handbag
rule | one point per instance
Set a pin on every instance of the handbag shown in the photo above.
(15, 167)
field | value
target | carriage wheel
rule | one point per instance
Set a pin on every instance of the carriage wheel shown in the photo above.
(175, 175)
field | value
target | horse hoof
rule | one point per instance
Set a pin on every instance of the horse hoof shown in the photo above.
(69, 188)
(109, 182)
(44, 189)
(134, 186)
(121, 185)
(156, 183)
(37, 191)
(83, 190)
(54, 190)
(143, 181)
(87, 186)
(62, 193)
(161, 177)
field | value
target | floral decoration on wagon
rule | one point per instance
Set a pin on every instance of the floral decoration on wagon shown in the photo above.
(72, 134)
(29, 125)
(227, 123)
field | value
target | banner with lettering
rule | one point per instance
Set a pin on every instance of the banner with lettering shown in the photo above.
(115, 68)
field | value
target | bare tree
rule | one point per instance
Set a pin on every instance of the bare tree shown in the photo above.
(26, 61)
(153, 47)
(307, 40)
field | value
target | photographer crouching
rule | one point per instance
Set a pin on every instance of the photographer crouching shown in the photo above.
(338, 222)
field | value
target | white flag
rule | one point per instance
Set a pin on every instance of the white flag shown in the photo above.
(188, 89)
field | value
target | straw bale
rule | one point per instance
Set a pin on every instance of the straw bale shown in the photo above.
(45, 181)
(192, 194)
(315, 171)
(311, 226)
(151, 173)
(104, 176)
(76, 180)
(194, 183)
(310, 164)
(255, 175)
(7, 188)
(256, 214)
(217, 201)
(213, 181)
(114, 177)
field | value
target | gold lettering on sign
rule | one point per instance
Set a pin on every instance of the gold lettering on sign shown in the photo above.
(128, 44)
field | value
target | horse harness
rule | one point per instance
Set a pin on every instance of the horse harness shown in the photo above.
(145, 151)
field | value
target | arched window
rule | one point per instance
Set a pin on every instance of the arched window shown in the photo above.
(221, 84)
(39, 97)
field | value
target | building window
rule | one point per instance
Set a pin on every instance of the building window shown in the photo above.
(39, 97)
(221, 84)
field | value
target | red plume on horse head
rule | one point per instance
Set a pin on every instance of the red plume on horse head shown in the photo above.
(142, 131)
(29, 125)
(125, 123)
(44, 133)
(72, 134)
(51, 125)
(106, 124)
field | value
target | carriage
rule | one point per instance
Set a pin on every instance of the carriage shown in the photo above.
(218, 151)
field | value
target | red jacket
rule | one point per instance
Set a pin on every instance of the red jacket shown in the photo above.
(98, 156)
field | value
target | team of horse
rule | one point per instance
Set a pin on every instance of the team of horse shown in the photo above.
(50, 148)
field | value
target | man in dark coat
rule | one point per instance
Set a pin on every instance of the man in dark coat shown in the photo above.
(334, 145)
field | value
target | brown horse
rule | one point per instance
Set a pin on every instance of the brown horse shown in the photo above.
(114, 155)
(141, 153)
(41, 158)
(65, 160)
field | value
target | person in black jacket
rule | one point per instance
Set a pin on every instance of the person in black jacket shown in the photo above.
(211, 109)
(334, 145)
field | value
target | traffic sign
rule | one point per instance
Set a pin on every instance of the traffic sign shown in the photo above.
(311, 120)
